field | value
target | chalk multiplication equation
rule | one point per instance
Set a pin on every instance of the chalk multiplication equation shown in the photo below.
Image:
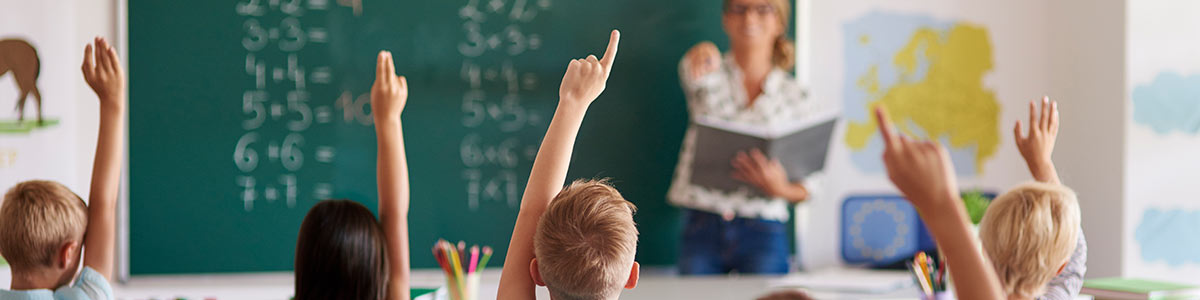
(492, 104)
(498, 123)
(278, 109)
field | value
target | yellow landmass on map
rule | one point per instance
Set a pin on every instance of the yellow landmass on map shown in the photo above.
(948, 101)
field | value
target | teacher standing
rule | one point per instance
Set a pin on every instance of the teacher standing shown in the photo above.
(740, 231)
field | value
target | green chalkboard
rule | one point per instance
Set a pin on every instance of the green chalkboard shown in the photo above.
(243, 114)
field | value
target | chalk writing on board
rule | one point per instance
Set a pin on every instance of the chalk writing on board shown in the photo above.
(276, 112)
(494, 95)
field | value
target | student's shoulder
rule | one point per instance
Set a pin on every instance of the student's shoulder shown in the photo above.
(90, 286)
(26, 295)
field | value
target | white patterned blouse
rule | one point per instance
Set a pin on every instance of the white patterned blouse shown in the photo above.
(721, 95)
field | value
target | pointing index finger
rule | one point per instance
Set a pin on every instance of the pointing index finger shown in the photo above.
(613, 40)
(885, 128)
(379, 62)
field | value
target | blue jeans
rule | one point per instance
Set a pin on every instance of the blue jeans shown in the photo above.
(712, 245)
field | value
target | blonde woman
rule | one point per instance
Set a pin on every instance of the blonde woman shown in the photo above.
(750, 84)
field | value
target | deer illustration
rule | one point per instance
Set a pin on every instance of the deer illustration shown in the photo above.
(19, 57)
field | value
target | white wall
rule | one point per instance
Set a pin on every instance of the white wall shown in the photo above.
(49, 152)
(1087, 78)
(1162, 167)
(60, 41)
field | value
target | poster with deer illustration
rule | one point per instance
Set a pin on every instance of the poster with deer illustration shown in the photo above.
(46, 131)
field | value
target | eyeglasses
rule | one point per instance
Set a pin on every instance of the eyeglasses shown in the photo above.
(741, 9)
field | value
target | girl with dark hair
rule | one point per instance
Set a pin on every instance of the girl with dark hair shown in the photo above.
(342, 251)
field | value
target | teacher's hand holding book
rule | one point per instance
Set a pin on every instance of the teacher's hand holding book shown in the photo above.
(767, 175)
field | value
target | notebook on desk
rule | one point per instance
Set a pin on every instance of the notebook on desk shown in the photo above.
(1141, 289)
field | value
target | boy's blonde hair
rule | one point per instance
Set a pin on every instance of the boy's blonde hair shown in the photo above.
(36, 218)
(1029, 232)
(585, 241)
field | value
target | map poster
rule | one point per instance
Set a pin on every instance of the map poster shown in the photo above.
(958, 72)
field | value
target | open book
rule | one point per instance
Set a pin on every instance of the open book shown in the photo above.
(800, 145)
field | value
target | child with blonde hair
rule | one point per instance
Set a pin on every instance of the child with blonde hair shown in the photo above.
(44, 227)
(1032, 233)
(578, 241)
(1029, 234)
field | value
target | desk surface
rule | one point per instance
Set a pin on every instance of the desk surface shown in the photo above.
(278, 286)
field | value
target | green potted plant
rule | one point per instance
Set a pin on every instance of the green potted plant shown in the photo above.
(976, 202)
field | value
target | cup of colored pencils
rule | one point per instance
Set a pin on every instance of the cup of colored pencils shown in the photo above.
(930, 276)
(462, 266)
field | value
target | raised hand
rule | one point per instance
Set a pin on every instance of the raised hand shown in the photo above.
(1038, 144)
(388, 96)
(586, 77)
(923, 172)
(702, 59)
(103, 72)
(584, 81)
(920, 169)
(390, 92)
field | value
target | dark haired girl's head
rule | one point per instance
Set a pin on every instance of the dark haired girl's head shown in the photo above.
(341, 253)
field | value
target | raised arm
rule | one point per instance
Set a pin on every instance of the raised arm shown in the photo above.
(700, 60)
(103, 72)
(388, 96)
(584, 81)
(923, 173)
(1038, 145)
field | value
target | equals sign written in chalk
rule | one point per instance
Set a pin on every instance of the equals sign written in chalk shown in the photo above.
(317, 35)
(321, 75)
(325, 154)
(322, 191)
(324, 114)
(318, 4)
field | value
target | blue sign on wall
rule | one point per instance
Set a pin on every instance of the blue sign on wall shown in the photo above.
(881, 230)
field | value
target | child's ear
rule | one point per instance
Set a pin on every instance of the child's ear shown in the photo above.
(535, 274)
(1061, 268)
(67, 255)
(633, 276)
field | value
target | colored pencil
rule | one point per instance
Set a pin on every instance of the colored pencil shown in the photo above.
(487, 254)
(929, 265)
(458, 262)
(462, 254)
(925, 288)
(457, 269)
(474, 259)
(437, 256)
